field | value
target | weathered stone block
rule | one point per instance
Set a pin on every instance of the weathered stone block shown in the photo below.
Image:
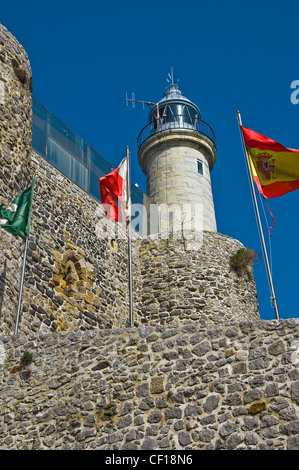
(276, 348)
(157, 385)
(142, 390)
(295, 391)
(257, 407)
(184, 438)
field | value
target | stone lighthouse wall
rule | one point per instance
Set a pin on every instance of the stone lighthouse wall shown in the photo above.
(169, 161)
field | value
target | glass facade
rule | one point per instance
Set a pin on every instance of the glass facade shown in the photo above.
(67, 152)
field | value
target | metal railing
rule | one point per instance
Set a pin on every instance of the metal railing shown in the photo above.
(179, 121)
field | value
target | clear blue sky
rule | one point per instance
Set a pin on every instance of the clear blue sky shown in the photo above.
(229, 56)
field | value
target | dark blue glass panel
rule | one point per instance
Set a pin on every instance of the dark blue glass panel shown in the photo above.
(68, 139)
(68, 165)
(39, 128)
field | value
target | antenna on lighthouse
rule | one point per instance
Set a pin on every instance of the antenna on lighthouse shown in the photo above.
(170, 75)
(133, 101)
(130, 99)
(170, 79)
(150, 103)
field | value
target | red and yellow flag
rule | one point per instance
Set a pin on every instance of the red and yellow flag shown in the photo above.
(275, 168)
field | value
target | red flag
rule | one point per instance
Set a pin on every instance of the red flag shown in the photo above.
(113, 190)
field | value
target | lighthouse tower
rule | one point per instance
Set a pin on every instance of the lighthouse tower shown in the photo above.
(177, 151)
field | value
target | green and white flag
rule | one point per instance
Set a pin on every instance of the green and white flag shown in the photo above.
(16, 217)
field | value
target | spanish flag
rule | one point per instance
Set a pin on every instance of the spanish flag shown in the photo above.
(275, 168)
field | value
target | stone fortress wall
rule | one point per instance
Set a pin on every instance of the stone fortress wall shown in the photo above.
(185, 386)
(198, 370)
(77, 273)
(15, 157)
(192, 279)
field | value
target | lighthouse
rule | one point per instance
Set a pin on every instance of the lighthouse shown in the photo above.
(177, 151)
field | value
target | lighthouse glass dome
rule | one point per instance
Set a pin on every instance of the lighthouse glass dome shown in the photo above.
(174, 111)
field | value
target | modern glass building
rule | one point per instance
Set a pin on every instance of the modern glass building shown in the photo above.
(73, 157)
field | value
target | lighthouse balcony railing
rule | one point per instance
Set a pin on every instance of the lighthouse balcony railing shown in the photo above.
(174, 122)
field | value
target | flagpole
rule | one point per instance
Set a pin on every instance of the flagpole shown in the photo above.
(21, 285)
(24, 265)
(129, 236)
(273, 296)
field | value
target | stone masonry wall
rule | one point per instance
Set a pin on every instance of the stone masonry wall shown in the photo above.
(77, 272)
(15, 151)
(193, 279)
(193, 385)
(15, 115)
